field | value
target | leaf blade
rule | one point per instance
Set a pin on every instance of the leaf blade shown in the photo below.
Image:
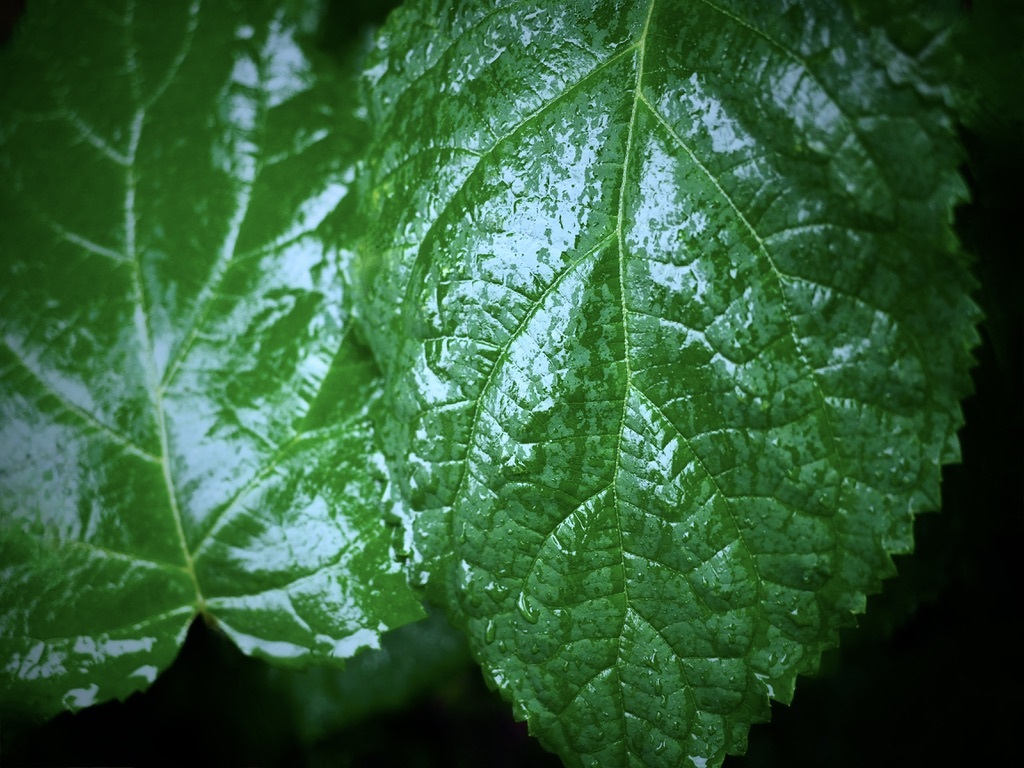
(671, 372)
(175, 439)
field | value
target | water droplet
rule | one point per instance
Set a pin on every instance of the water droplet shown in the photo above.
(658, 716)
(462, 534)
(526, 609)
(658, 685)
(490, 632)
(661, 747)
(502, 646)
(496, 590)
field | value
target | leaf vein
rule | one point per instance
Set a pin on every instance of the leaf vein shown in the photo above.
(73, 409)
(780, 276)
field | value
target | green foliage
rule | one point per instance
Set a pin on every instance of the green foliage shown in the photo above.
(695, 364)
(671, 325)
(186, 417)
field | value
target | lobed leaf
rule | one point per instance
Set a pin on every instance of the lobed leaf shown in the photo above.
(184, 415)
(674, 330)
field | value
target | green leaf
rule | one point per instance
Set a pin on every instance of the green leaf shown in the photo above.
(184, 416)
(675, 329)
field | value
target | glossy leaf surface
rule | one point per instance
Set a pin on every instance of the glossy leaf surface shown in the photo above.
(674, 329)
(184, 418)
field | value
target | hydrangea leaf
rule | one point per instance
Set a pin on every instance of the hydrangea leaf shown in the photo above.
(674, 329)
(184, 416)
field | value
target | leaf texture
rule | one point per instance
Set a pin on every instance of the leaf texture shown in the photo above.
(674, 330)
(184, 416)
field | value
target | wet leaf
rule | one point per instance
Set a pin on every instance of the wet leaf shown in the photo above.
(674, 330)
(184, 416)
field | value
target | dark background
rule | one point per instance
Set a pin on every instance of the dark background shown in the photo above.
(931, 677)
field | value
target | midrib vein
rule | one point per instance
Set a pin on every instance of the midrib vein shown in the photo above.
(641, 50)
(145, 334)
